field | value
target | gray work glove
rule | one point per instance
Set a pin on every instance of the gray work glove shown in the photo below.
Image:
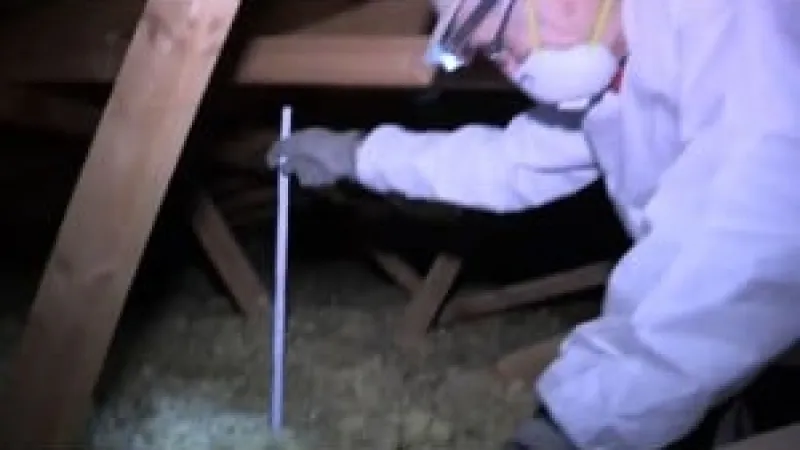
(318, 157)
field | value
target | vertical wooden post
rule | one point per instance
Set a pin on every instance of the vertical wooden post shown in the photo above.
(107, 224)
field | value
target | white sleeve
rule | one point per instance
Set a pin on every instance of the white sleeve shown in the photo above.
(733, 295)
(729, 302)
(525, 164)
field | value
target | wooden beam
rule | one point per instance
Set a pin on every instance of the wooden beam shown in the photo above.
(379, 43)
(539, 289)
(398, 270)
(231, 263)
(379, 61)
(25, 106)
(353, 61)
(527, 363)
(376, 43)
(426, 301)
(82, 41)
(107, 224)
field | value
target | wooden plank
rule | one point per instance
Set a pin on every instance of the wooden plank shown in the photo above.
(527, 363)
(106, 226)
(398, 270)
(540, 289)
(29, 107)
(425, 303)
(93, 52)
(76, 23)
(231, 263)
(377, 61)
(84, 41)
(380, 61)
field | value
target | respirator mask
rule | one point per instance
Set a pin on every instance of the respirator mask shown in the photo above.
(568, 75)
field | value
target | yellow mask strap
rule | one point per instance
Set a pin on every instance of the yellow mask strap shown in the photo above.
(531, 9)
(602, 21)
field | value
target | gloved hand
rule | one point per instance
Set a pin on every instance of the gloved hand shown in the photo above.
(318, 157)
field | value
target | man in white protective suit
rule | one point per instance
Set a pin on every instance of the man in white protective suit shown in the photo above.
(700, 153)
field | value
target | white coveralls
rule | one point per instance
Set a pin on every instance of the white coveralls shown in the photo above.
(700, 152)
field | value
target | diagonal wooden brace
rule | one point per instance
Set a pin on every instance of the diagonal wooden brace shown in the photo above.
(28, 107)
(138, 142)
(427, 299)
(227, 257)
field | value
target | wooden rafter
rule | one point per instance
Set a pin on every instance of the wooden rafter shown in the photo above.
(24, 106)
(380, 61)
(378, 43)
(137, 145)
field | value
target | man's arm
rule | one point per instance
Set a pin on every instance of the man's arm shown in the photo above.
(523, 165)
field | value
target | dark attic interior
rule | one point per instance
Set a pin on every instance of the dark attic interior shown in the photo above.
(138, 238)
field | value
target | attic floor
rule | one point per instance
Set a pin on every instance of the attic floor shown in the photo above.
(194, 375)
